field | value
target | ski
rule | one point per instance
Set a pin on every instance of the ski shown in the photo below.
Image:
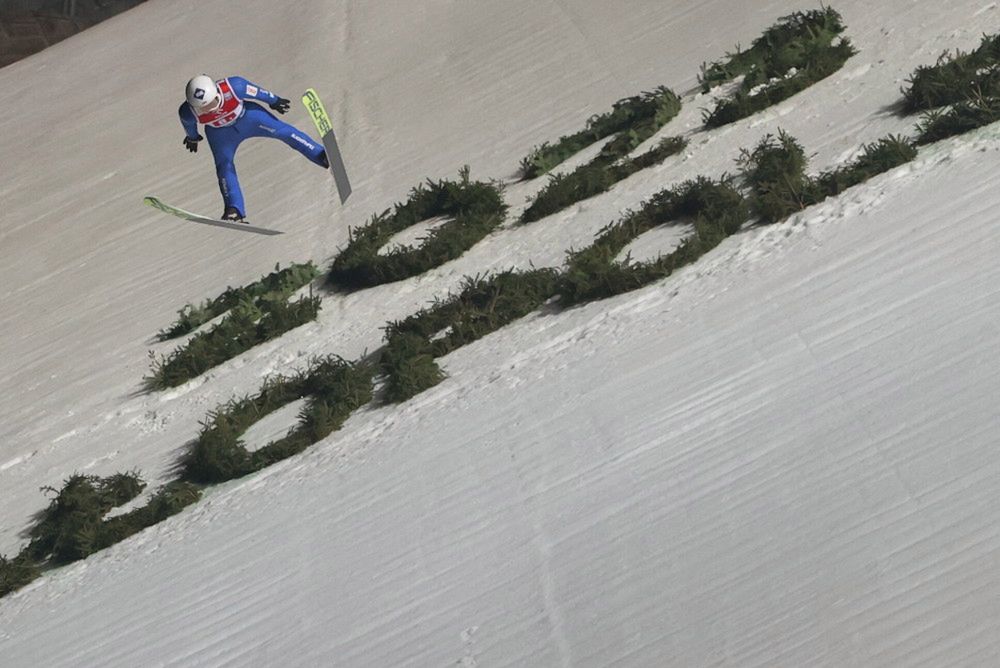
(195, 218)
(319, 116)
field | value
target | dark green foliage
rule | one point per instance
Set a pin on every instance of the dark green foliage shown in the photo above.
(955, 78)
(409, 366)
(484, 305)
(777, 50)
(562, 190)
(960, 93)
(335, 388)
(476, 209)
(546, 157)
(746, 101)
(279, 284)
(74, 524)
(641, 117)
(876, 158)
(71, 527)
(248, 324)
(596, 177)
(282, 316)
(634, 119)
(716, 209)
(171, 499)
(258, 312)
(17, 572)
(774, 171)
(958, 119)
(599, 175)
(773, 160)
(788, 58)
(218, 455)
(666, 147)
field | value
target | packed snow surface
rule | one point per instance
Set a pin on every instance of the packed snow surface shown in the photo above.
(783, 455)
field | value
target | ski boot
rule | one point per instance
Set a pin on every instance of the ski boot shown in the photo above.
(233, 214)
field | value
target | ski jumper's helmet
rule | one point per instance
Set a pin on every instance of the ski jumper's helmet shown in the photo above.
(203, 94)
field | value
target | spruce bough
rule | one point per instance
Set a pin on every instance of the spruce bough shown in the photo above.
(475, 209)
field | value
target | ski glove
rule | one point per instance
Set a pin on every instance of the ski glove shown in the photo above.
(281, 106)
(192, 144)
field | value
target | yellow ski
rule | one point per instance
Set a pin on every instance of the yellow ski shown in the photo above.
(322, 121)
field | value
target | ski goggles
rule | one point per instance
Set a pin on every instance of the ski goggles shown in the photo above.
(214, 105)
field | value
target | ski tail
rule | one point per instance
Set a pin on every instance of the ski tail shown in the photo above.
(322, 121)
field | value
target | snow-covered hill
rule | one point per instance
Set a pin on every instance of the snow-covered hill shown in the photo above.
(782, 455)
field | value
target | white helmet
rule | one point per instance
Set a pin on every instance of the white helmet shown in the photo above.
(203, 94)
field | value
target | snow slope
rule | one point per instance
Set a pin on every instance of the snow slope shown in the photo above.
(780, 456)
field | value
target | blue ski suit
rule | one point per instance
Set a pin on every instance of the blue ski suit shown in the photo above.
(251, 120)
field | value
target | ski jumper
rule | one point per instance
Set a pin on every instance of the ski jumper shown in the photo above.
(240, 118)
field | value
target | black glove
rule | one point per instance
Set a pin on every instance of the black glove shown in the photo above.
(281, 106)
(192, 144)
